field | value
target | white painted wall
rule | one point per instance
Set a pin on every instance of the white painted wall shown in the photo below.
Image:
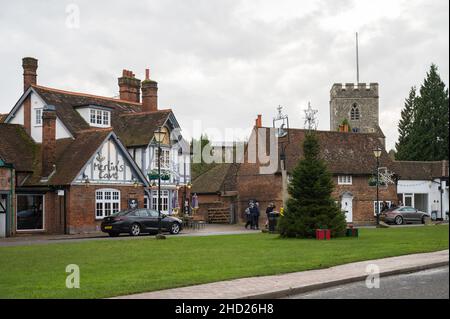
(36, 129)
(426, 187)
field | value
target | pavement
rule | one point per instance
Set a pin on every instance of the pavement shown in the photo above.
(38, 239)
(426, 284)
(279, 286)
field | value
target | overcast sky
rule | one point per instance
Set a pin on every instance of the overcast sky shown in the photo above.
(224, 62)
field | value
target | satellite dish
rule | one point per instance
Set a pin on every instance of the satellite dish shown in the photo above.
(281, 132)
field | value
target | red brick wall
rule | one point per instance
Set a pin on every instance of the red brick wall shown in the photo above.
(81, 205)
(363, 197)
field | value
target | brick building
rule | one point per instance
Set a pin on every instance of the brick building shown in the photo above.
(350, 159)
(76, 158)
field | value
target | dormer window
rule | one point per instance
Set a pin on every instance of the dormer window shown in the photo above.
(354, 113)
(99, 117)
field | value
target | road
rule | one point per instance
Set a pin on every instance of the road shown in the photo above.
(428, 284)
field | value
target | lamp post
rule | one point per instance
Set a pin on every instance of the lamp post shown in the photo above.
(377, 153)
(159, 137)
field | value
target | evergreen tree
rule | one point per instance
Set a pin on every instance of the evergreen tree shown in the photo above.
(310, 205)
(432, 119)
(425, 122)
(403, 146)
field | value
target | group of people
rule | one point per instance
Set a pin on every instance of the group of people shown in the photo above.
(385, 206)
(252, 214)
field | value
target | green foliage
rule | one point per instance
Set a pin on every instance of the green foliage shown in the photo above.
(199, 168)
(425, 122)
(310, 205)
(118, 267)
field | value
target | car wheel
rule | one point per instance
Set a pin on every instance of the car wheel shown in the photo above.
(175, 228)
(399, 220)
(135, 229)
(113, 234)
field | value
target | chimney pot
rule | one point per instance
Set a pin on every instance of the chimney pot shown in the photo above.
(149, 94)
(129, 87)
(29, 66)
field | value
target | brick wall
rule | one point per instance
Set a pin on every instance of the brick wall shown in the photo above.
(81, 205)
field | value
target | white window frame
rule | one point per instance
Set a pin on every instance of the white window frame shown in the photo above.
(100, 118)
(345, 180)
(379, 203)
(146, 202)
(107, 202)
(164, 201)
(38, 116)
(165, 158)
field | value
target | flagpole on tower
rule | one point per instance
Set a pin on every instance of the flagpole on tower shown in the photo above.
(357, 60)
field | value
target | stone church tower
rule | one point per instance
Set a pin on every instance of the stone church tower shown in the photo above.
(358, 103)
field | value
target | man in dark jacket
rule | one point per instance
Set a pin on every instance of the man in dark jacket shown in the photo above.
(254, 211)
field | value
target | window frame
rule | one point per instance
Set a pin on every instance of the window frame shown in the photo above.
(43, 214)
(345, 180)
(165, 158)
(355, 114)
(379, 203)
(164, 200)
(99, 118)
(109, 197)
(38, 119)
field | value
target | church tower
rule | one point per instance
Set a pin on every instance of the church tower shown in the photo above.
(356, 103)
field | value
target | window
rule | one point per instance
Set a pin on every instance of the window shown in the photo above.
(345, 180)
(146, 201)
(381, 206)
(30, 212)
(164, 201)
(38, 116)
(99, 117)
(165, 158)
(354, 113)
(107, 202)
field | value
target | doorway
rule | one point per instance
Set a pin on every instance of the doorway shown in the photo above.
(347, 206)
(3, 214)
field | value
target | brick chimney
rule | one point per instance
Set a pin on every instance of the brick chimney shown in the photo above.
(258, 121)
(30, 66)
(129, 87)
(149, 94)
(48, 140)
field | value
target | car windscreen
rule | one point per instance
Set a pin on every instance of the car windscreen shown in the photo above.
(123, 212)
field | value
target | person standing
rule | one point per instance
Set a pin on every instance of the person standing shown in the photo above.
(248, 216)
(269, 210)
(254, 211)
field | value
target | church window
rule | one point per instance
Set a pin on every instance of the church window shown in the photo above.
(354, 114)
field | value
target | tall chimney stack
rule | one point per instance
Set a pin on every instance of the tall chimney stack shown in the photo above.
(48, 140)
(30, 66)
(258, 121)
(129, 87)
(149, 94)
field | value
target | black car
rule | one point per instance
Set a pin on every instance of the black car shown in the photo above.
(138, 221)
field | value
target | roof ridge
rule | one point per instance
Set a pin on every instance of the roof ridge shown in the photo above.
(96, 129)
(85, 94)
(144, 113)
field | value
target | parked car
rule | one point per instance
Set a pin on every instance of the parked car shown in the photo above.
(402, 215)
(138, 221)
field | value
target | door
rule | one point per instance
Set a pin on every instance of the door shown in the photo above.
(152, 220)
(347, 207)
(3, 212)
(409, 200)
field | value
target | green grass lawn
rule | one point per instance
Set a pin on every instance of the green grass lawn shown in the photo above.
(117, 267)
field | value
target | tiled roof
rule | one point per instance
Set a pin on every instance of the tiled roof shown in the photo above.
(221, 177)
(136, 129)
(66, 102)
(17, 147)
(344, 152)
(3, 117)
(411, 170)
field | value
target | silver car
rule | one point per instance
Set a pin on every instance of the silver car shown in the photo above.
(402, 215)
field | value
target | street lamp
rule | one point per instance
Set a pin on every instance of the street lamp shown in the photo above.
(377, 153)
(159, 137)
